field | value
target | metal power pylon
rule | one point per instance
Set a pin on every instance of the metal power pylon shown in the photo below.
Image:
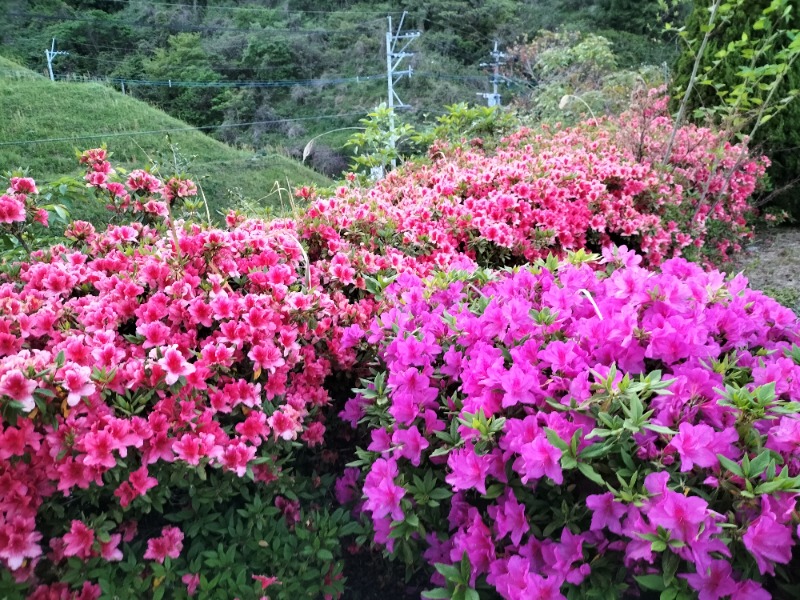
(394, 57)
(493, 98)
(51, 54)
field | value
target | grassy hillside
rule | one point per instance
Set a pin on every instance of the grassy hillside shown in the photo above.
(88, 115)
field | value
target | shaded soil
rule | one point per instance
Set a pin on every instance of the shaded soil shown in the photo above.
(772, 264)
(373, 577)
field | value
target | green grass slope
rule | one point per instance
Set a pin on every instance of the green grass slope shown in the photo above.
(85, 115)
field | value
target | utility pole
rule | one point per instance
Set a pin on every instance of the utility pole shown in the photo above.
(51, 54)
(393, 75)
(493, 99)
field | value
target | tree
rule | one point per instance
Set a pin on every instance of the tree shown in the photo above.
(461, 29)
(572, 75)
(184, 60)
(727, 68)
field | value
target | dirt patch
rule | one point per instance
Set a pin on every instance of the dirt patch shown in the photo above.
(772, 263)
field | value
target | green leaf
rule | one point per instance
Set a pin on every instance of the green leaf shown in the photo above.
(442, 494)
(588, 471)
(556, 441)
(324, 554)
(437, 594)
(449, 572)
(660, 429)
(494, 491)
(669, 594)
(670, 563)
(730, 465)
(759, 463)
(650, 582)
(440, 452)
(593, 451)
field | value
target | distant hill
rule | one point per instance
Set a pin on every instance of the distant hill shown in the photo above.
(34, 109)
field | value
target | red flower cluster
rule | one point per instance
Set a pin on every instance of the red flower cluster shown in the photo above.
(113, 351)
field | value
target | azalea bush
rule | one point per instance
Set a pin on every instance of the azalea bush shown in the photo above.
(26, 213)
(564, 431)
(551, 191)
(170, 390)
(155, 379)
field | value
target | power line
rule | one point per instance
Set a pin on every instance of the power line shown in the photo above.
(253, 84)
(173, 130)
(216, 66)
(227, 84)
(247, 84)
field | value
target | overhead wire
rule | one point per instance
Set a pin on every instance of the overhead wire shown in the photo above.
(216, 66)
(227, 84)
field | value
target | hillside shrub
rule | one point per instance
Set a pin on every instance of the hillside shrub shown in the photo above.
(746, 54)
(558, 431)
(551, 191)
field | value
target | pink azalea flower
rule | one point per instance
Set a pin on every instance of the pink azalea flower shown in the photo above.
(284, 425)
(679, 514)
(254, 428)
(141, 482)
(540, 458)
(714, 582)
(509, 518)
(12, 209)
(411, 444)
(16, 386)
(175, 365)
(236, 456)
(76, 380)
(542, 588)
(518, 385)
(110, 550)
(699, 445)
(382, 493)
(99, 447)
(266, 356)
(19, 541)
(469, 469)
(412, 392)
(168, 544)
(266, 581)
(750, 590)
(606, 512)
(23, 185)
(79, 540)
(191, 581)
(474, 539)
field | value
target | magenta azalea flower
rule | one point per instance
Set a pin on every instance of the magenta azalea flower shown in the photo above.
(768, 542)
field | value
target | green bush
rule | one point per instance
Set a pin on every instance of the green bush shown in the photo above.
(780, 137)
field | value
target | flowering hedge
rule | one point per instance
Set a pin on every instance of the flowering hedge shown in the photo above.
(573, 433)
(551, 191)
(167, 389)
(143, 383)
